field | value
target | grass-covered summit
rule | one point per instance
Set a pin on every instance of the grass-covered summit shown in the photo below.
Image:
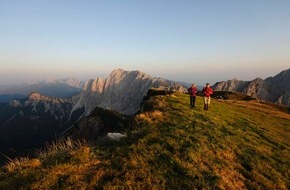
(234, 145)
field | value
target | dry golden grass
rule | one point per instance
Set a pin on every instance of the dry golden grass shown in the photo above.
(62, 145)
(22, 162)
(151, 116)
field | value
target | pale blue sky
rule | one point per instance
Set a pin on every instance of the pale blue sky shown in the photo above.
(193, 41)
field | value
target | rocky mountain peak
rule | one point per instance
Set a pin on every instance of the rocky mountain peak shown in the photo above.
(35, 96)
(117, 72)
(283, 77)
(258, 79)
(234, 80)
(274, 89)
(230, 85)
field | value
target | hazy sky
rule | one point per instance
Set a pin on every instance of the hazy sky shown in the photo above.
(193, 40)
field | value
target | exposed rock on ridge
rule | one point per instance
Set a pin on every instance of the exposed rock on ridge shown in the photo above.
(274, 89)
(35, 96)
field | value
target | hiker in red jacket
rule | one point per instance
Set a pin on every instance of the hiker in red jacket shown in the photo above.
(192, 91)
(207, 91)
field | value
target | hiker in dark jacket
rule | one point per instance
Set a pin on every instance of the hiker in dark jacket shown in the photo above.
(207, 91)
(192, 91)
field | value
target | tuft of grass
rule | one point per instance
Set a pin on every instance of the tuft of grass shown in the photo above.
(234, 145)
(62, 145)
(22, 162)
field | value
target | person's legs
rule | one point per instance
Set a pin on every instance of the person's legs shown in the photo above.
(193, 101)
(206, 102)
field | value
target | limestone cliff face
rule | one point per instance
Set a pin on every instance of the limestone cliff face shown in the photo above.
(258, 88)
(274, 89)
(122, 91)
(284, 99)
(231, 85)
(280, 87)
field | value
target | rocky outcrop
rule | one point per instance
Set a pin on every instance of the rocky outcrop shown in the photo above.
(257, 88)
(122, 91)
(15, 103)
(98, 124)
(35, 96)
(274, 89)
(284, 99)
(231, 85)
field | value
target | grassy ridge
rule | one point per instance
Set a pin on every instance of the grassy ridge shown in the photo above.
(233, 145)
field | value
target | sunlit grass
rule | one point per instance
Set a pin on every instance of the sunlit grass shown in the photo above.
(233, 145)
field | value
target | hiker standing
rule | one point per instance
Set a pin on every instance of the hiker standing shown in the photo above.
(192, 91)
(207, 91)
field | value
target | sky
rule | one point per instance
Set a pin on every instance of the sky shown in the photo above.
(186, 40)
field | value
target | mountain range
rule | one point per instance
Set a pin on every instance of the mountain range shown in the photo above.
(61, 88)
(273, 89)
(32, 121)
